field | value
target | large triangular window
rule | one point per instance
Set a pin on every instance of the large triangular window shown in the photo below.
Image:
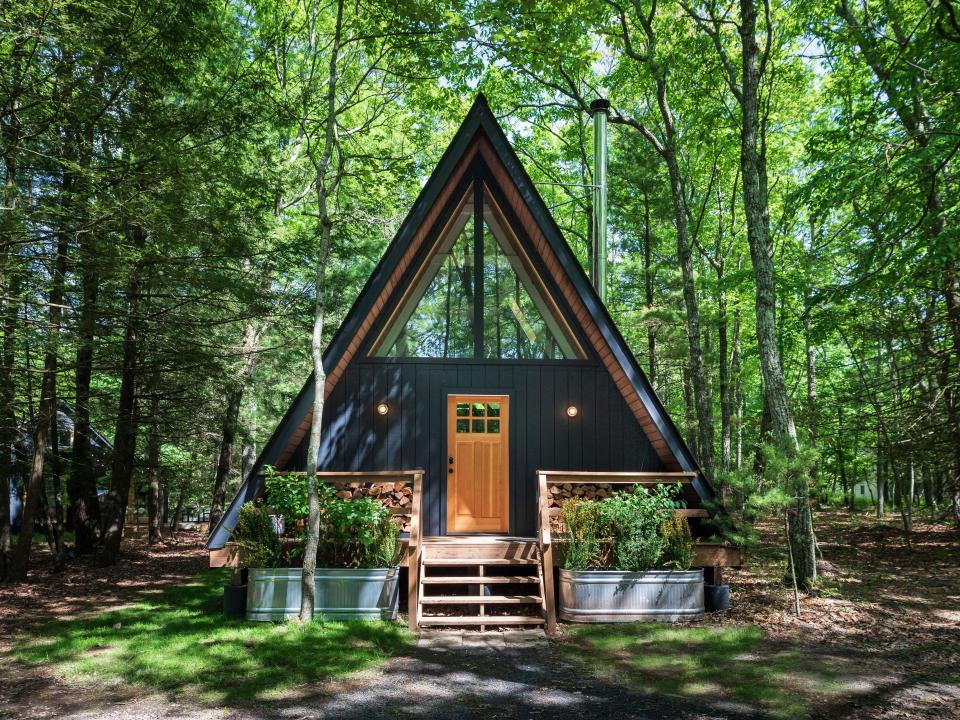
(442, 315)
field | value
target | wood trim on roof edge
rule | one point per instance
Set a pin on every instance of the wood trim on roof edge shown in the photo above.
(613, 352)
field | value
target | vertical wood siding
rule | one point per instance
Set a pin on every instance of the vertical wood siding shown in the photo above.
(604, 436)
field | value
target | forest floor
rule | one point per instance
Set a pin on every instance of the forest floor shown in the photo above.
(144, 640)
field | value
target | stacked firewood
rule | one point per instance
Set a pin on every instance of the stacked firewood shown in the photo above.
(398, 496)
(590, 491)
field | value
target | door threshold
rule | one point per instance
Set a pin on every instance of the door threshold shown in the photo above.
(480, 537)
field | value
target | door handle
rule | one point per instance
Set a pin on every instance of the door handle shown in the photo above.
(450, 460)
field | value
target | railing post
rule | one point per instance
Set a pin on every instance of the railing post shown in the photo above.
(413, 554)
(546, 552)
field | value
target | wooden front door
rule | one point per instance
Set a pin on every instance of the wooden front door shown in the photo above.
(478, 477)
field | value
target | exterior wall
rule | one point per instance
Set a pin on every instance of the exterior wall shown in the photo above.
(604, 436)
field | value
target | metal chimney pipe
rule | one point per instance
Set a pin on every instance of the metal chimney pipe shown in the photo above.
(600, 108)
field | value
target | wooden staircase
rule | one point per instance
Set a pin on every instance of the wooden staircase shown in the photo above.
(480, 583)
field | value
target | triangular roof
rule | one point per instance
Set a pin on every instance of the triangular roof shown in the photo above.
(479, 139)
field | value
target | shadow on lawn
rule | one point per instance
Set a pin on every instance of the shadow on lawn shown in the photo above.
(181, 642)
(711, 662)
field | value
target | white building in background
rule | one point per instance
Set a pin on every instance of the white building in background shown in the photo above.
(865, 491)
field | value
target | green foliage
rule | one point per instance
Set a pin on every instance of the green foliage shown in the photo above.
(178, 642)
(354, 532)
(587, 528)
(359, 532)
(634, 517)
(748, 497)
(678, 546)
(622, 531)
(287, 494)
(256, 538)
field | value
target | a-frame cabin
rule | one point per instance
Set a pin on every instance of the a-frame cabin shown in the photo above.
(479, 352)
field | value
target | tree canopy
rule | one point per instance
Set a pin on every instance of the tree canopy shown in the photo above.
(191, 189)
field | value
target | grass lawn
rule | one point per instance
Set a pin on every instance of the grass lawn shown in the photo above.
(180, 642)
(732, 663)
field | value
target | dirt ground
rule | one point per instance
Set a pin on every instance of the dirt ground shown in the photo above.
(887, 614)
(889, 609)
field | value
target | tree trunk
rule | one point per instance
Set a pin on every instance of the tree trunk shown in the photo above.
(35, 495)
(54, 513)
(726, 399)
(10, 131)
(881, 482)
(738, 399)
(307, 587)
(8, 423)
(177, 514)
(757, 211)
(250, 350)
(308, 590)
(689, 413)
(756, 206)
(811, 380)
(154, 508)
(125, 437)
(82, 485)
(648, 292)
(701, 396)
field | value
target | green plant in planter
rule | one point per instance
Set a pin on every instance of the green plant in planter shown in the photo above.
(634, 517)
(679, 548)
(360, 533)
(256, 538)
(287, 494)
(354, 532)
(587, 526)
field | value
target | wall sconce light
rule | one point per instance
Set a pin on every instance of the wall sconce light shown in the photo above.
(382, 408)
(572, 411)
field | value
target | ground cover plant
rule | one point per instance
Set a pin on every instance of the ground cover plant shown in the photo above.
(180, 643)
(708, 662)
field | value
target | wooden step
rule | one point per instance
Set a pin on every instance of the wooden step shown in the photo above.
(480, 580)
(481, 620)
(472, 548)
(475, 562)
(481, 600)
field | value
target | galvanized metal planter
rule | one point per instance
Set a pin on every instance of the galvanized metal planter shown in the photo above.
(615, 596)
(342, 593)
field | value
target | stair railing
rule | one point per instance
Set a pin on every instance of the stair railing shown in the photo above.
(545, 543)
(415, 552)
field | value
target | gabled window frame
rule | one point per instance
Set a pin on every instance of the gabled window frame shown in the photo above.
(486, 210)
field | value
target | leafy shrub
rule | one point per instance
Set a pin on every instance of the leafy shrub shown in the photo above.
(678, 549)
(359, 533)
(635, 517)
(586, 526)
(256, 538)
(628, 522)
(287, 494)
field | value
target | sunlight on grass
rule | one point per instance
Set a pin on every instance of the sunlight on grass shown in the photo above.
(696, 662)
(180, 642)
